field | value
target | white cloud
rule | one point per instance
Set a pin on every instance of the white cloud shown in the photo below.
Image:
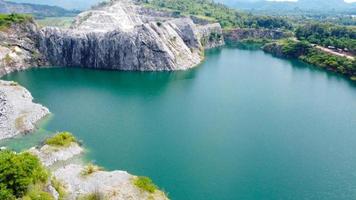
(350, 1)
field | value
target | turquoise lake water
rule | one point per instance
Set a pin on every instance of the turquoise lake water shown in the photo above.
(243, 125)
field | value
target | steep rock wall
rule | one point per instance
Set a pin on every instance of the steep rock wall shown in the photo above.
(149, 47)
(211, 35)
(121, 35)
(124, 35)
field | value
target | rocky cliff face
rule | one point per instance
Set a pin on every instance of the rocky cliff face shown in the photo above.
(125, 35)
(274, 48)
(211, 35)
(120, 35)
(18, 48)
(252, 33)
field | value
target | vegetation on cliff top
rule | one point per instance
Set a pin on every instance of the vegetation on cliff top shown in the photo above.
(21, 175)
(227, 17)
(7, 19)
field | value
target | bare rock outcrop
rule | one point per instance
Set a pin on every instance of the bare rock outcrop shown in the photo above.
(79, 180)
(50, 155)
(114, 185)
(211, 35)
(18, 114)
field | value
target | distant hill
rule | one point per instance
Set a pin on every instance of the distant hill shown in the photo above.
(258, 5)
(39, 11)
(305, 5)
(67, 4)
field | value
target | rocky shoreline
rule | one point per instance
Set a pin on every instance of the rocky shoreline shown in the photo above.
(18, 114)
(78, 179)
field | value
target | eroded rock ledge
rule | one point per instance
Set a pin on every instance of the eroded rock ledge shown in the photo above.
(240, 34)
(18, 114)
(78, 179)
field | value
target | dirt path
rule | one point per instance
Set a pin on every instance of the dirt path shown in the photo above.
(329, 51)
(326, 50)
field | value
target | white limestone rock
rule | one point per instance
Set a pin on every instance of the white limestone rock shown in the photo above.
(18, 114)
(125, 35)
(50, 155)
(115, 185)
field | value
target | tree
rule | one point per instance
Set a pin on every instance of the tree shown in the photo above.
(18, 172)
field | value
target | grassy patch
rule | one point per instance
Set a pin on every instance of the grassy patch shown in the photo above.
(20, 122)
(90, 169)
(59, 188)
(36, 192)
(62, 22)
(7, 59)
(145, 184)
(63, 139)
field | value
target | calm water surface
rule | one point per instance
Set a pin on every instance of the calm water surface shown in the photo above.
(243, 125)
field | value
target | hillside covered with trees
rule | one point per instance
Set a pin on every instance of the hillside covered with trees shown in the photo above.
(328, 35)
(227, 17)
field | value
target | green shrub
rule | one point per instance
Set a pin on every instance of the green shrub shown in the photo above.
(145, 184)
(6, 193)
(63, 139)
(18, 172)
